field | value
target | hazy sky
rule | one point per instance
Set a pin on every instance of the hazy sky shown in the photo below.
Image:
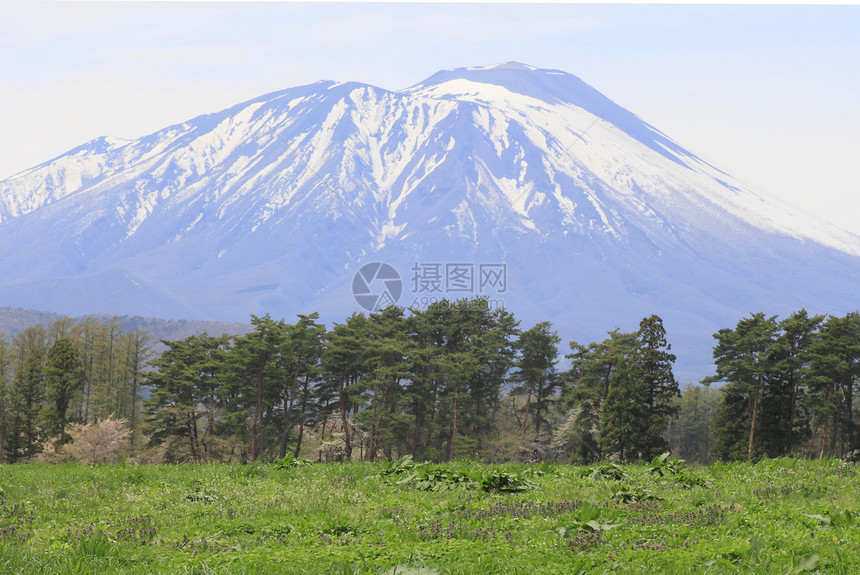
(770, 94)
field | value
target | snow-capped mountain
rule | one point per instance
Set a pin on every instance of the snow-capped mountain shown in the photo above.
(522, 184)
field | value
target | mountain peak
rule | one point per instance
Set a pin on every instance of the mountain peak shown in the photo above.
(507, 66)
(514, 76)
(544, 87)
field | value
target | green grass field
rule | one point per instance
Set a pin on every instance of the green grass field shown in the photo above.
(777, 516)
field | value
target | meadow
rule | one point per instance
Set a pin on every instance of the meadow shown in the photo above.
(776, 516)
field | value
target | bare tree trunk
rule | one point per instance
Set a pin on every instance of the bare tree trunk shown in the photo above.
(343, 410)
(526, 416)
(303, 415)
(827, 431)
(285, 429)
(191, 425)
(453, 432)
(419, 423)
(257, 421)
(752, 427)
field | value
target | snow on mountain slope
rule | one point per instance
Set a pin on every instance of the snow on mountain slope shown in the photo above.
(272, 205)
(575, 124)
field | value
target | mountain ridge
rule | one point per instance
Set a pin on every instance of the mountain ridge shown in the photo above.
(15, 320)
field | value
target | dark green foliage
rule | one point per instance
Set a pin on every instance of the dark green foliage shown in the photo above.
(425, 476)
(625, 417)
(186, 388)
(429, 477)
(5, 381)
(788, 386)
(652, 367)
(498, 481)
(593, 370)
(258, 375)
(623, 393)
(675, 470)
(64, 375)
(25, 396)
(664, 465)
(536, 377)
(290, 462)
(627, 494)
(744, 361)
(833, 378)
(606, 470)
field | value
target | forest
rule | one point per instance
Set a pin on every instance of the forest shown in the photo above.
(457, 380)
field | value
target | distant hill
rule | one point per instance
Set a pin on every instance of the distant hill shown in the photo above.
(16, 320)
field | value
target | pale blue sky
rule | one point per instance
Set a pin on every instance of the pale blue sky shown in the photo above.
(770, 94)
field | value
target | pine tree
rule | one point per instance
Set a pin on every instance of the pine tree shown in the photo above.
(185, 380)
(305, 343)
(426, 379)
(593, 369)
(652, 370)
(785, 421)
(64, 376)
(23, 438)
(386, 367)
(744, 361)
(256, 358)
(624, 419)
(344, 361)
(835, 371)
(537, 377)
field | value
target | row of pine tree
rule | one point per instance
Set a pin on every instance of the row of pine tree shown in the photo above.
(456, 380)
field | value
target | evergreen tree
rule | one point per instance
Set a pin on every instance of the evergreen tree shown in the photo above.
(744, 361)
(344, 361)
(624, 418)
(426, 379)
(652, 370)
(835, 369)
(64, 375)
(537, 378)
(382, 417)
(23, 439)
(258, 366)
(593, 368)
(641, 393)
(305, 344)
(486, 356)
(785, 421)
(186, 379)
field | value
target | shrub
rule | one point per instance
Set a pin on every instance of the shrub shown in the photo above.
(103, 442)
